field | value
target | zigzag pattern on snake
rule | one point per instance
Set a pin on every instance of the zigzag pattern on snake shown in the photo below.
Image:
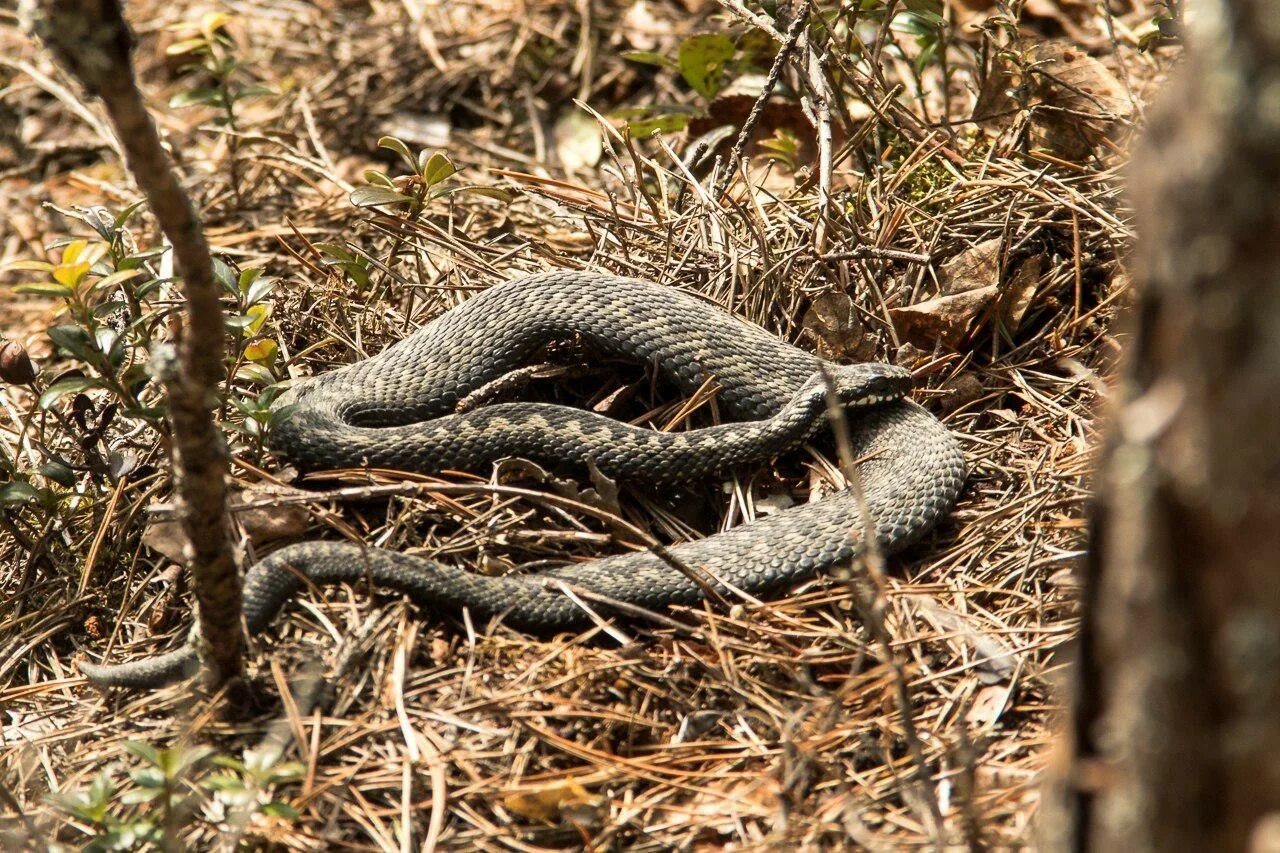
(396, 410)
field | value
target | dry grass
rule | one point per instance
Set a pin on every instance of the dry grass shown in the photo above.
(779, 723)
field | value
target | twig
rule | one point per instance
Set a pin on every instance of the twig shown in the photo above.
(864, 252)
(92, 40)
(757, 109)
(873, 609)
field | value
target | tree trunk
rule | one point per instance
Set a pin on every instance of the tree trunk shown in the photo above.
(1177, 692)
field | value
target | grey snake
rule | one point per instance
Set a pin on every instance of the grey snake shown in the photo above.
(397, 410)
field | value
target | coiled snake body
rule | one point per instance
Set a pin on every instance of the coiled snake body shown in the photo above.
(395, 410)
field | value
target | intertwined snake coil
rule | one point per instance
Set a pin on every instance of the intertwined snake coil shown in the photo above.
(396, 410)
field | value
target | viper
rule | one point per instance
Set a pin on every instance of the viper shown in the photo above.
(399, 409)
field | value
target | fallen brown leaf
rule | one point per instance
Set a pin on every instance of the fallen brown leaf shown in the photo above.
(265, 524)
(975, 267)
(832, 322)
(1069, 85)
(1019, 291)
(1075, 100)
(166, 538)
(549, 803)
(944, 320)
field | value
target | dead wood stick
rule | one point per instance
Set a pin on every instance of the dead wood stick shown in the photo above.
(92, 41)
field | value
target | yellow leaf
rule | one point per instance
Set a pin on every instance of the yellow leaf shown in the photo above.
(545, 803)
(262, 351)
(71, 251)
(259, 313)
(70, 274)
(185, 46)
(212, 22)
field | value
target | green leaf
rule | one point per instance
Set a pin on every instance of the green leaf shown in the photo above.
(28, 266)
(378, 178)
(254, 90)
(70, 385)
(118, 277)
(145, 751)
(393, 144)
(224, 782)
(669, 123)
(649, 57)
(18, 493)
(472, 189)
(287, 771)
(282, 413)
(438, 168)
(148, 777)
(260, 289)
(373, 196)
(179, 759)
(702, 59)
(141, 795)
(70, 803)
(110, 344)
(75, 340)
(275, 808)
(255, 373)
(335, 251)
(59, 473)
(192, 97)
(47, 288)
(128, 212)
(154, 414)
(248, 276)
(226, 276)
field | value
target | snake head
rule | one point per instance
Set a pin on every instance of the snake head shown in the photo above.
(868, 384)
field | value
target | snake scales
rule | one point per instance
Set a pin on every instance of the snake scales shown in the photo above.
(395, 410)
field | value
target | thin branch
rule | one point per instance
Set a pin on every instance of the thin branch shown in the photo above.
(93, 42)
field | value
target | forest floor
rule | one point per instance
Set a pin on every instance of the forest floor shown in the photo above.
(936, 190)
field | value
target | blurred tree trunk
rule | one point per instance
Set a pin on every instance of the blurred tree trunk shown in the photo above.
(1177, 692)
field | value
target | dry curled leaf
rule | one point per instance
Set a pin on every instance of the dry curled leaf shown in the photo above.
(832, 322)
(271, 523)
(1079, 100)
(167, 538)
(944, 320)
(977, 266)
(603, 493)
(1019, 291)
(1074, 100)
(551, 802)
